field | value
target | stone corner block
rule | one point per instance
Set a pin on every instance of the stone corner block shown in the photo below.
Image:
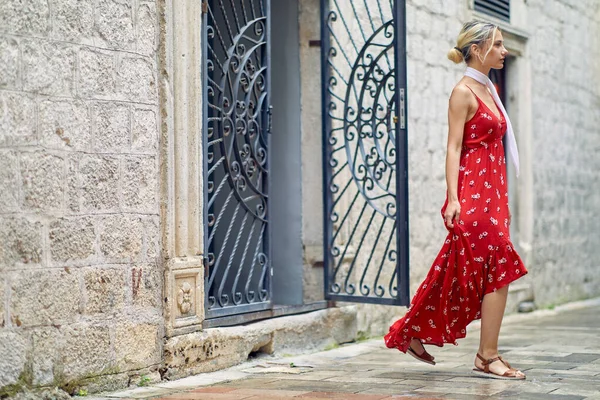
(137, 345)
(87, 351)
(211, 350)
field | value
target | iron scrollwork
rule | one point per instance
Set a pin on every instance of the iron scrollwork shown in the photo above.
(360, 151)
(237, 156)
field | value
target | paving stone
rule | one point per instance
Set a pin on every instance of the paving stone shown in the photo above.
(344, 396)
(514, 394)
(276, 392)
(381, 373)
(397, 389)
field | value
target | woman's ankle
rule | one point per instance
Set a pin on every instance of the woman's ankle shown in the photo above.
(488, 353)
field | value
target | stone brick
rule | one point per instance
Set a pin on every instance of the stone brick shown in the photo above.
(72, 239)
(9, 63)
(145, 131)
(44, 297)
(97, 73)
(13, 348)
(17, 120)
(65, 125)
(151, 236)
(32, 17)
(111, 127)
(73, 20)
(121, 237)
(72, 197)
(146, 285)
(137, 81)
(3, 321)
(104, 289)
(140, 184)
(114, 23)
(42, 179)
(87, 351)
(146, 29)
(99, 182)
(20, 242)
(137, 345)
(9, 195)
(49, 67)
(47, 345)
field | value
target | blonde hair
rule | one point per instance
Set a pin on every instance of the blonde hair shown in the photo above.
(473, 32)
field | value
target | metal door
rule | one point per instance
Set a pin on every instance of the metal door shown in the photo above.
(236, 156)
(365, 181)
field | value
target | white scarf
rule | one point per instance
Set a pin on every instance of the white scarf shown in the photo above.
(511, 142)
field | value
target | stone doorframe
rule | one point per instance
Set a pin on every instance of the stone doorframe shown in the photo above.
(181, 205)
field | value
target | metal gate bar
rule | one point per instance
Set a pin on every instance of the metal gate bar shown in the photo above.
(236, 162)
(365, 179)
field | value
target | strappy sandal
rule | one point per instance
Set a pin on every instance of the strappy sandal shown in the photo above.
(511, 374)
(425, 356)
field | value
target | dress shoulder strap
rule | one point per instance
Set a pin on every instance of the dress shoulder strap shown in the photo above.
(472, 91)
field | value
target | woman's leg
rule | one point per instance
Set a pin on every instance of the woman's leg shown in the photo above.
(492, 312)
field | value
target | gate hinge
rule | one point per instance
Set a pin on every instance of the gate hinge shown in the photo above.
(402, 108)
(270, 119)
(204, 7)
(205, 263)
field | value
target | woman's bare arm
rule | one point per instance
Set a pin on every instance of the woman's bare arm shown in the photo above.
(458, 110)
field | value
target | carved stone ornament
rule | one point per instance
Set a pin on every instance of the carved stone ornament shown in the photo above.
(184, 298)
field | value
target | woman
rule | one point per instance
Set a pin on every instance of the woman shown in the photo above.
(469, 278)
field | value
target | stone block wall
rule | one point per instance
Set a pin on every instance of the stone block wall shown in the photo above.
(565, 55)
(80, 281)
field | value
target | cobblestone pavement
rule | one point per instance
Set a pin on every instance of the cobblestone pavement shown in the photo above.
(559, 351)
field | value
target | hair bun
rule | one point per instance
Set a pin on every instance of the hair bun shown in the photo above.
(455, 55)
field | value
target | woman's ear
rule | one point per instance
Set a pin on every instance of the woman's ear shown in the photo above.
(475, 50)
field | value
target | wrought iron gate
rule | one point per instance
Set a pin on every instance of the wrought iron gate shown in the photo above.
(365, 151)
(236, 156)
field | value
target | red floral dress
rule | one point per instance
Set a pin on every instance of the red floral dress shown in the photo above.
(477, 256)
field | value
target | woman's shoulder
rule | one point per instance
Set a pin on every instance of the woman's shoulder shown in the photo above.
(462, 96)
(461, 90)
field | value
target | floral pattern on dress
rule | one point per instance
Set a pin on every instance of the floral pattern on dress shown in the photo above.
(477, 256)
